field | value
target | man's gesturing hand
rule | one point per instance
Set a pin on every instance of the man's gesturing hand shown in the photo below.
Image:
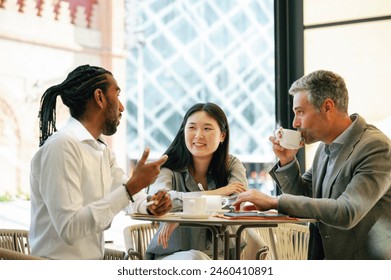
(144, 173)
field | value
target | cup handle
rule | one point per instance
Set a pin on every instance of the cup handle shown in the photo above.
(224, 203)
(278, 133)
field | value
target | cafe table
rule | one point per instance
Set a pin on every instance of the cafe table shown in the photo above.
(218, 224)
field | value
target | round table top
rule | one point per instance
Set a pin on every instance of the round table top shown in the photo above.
(217, 219)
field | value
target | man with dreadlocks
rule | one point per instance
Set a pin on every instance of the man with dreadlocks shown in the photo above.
(76, 186)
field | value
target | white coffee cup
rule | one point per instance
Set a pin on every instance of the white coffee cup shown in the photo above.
(193, 204)
(289, 138)
(215, 202)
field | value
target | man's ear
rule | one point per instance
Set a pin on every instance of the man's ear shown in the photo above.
(328, 104)
(99, 97)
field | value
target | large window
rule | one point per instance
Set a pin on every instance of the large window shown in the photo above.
(185, 52)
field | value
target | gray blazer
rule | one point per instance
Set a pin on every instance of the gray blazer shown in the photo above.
(355, 215)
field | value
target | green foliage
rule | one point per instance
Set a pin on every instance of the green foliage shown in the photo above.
(5, 197)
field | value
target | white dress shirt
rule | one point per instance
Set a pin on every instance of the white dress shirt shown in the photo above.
(76, 190)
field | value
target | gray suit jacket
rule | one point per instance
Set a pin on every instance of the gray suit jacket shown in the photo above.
(355, 215)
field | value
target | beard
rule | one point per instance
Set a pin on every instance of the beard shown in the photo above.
(111, 122)
(109, 128)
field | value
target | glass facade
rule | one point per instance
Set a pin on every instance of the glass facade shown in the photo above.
(183, 52)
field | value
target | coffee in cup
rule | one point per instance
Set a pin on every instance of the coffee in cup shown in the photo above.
(215, 202)
(193, 204)
(289, 138)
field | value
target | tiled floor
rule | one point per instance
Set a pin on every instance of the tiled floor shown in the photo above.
(16, 214)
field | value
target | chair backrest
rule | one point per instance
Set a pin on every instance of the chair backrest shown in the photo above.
(15, 240)
(113, 254)
(257, 244)
(292, 241)
(6, 254)
(137, 238)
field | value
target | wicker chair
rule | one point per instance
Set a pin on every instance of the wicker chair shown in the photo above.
(291, 242)
(137, 238)
(112, 254)
(257, 248)
(6, 254)
(17, 241)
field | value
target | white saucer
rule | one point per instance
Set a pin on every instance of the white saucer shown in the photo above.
(222, 211)
(192, 215)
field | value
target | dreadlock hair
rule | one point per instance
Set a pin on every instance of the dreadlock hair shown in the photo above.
(180, 157)
(75, 91)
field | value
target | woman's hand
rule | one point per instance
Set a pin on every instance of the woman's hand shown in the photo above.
(165, 234)
(231, 188)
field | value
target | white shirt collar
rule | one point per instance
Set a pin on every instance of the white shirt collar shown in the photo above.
(84, 135)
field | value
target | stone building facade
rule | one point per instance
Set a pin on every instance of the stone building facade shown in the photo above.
(40, 42)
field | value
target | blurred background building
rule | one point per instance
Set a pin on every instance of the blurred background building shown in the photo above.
(169, 54)
(40, 42)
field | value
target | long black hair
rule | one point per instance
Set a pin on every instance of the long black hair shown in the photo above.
(75, 91)
(180, 157)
